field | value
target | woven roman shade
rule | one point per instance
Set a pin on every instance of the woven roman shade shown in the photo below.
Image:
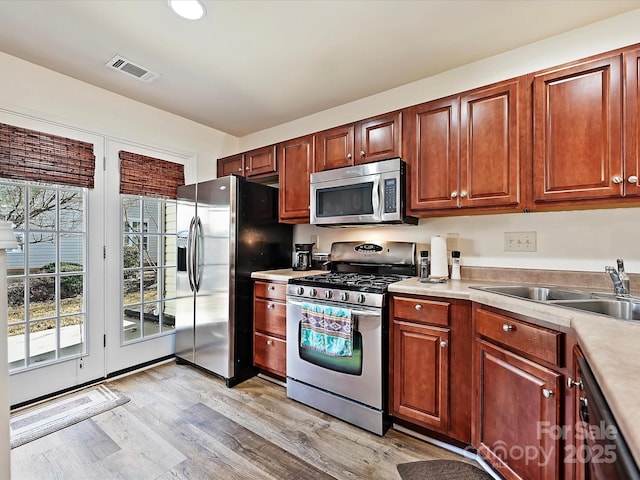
(141, 175)
(41, 157)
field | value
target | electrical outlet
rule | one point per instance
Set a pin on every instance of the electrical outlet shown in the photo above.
(520, 242)
(452, 241)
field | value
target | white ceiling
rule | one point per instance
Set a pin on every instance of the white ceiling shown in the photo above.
(249, 65)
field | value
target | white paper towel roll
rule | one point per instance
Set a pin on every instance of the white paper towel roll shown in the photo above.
(439, 263)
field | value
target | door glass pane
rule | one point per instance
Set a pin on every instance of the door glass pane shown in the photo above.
(43, 338)
(51, 265)
(149, 266)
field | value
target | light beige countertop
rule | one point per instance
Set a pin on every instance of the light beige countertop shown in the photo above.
(283, 274)
(611, 346)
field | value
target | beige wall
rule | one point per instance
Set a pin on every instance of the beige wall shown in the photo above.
(28, 89)
(582, 240)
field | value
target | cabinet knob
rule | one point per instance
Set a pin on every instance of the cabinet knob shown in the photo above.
(247, 169)
(362, 154)
(443, 344)
(507, 328)
(463, 194)
(349, 155)
(454, 194)
(616, 179)
(240, 169)
(572, 383)
(633, 179)
(269, 342)
(546, 393)
(270, 305)
(272, 287)
(418, 307)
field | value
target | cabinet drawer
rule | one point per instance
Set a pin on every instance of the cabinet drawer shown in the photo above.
(533, 340)
(270, 317)
(276, 291)
(270, 353)
(421, 311)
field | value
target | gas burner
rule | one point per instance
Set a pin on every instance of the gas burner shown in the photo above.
(361, 282)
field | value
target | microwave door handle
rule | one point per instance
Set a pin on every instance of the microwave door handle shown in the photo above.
(375, 198)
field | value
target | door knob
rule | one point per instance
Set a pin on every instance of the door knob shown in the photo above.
(443, 344)
(616, 179)
(362, 153)
(507, 328)
(633, 179)
(454, 194)
(463, 194)
(572, 383)
(349, 155)
(418, 307)
(546, 393)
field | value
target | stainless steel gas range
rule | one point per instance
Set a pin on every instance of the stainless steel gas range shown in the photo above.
(337, 331)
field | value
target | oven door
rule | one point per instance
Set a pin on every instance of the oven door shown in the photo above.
(358, 377)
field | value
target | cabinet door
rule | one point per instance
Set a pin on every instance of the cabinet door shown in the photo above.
(632, 123)
(378, 138)
(334, 148)
(577, 150)
(296, 165)
(228, 165)
(490, 144)
(261, 161)
(421, 374)
(517, 412)
(432, 152)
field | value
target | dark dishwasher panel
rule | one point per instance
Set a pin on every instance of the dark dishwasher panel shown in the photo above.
(606, 454)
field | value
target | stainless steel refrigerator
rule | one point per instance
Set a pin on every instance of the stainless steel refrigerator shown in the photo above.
(227, 228)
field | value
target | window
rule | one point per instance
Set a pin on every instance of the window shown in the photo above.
(46, 274)
(149, 270)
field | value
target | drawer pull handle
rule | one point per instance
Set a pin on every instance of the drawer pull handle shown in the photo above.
(546, 393)
(269, 342)
(507, 328)
(272, 287)
(418, 307)
(270, 305)
(443, 344)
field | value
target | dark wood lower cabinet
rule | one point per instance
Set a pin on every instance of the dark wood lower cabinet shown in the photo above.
(430, 365)
(517, 414)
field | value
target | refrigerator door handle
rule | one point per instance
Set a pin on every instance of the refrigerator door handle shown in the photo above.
(190, 252)
(197, 257)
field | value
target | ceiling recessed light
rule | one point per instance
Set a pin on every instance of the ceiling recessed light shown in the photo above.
(189, 9)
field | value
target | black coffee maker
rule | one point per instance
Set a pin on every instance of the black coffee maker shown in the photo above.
(302, 256)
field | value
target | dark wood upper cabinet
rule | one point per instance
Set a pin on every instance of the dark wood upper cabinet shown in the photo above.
(491, 119)
(228, 165)
(334, 148)
(260, 162)
(431, 149)
(378, 138)
(465, 150)
(295, 158)
(632, 122)
(577, 131)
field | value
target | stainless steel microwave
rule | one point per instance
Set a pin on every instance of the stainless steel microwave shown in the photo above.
(371, 193)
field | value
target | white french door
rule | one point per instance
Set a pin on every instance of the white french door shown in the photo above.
(141, 266)
(55, 277)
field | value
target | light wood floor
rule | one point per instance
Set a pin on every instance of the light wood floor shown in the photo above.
(182, 423)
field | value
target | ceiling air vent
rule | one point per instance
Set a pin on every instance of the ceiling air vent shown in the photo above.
(130, 68)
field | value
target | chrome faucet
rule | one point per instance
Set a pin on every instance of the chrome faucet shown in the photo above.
(619, 278)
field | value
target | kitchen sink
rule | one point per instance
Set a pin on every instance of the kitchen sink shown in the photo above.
(623, 309)
(536, 292)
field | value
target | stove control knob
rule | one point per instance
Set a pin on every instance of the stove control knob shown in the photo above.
(299, 291)
(328, 294)
(344, 296)
(361, 298)
(313, 292)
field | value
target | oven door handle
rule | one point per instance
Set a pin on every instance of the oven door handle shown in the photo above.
(360, 313)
